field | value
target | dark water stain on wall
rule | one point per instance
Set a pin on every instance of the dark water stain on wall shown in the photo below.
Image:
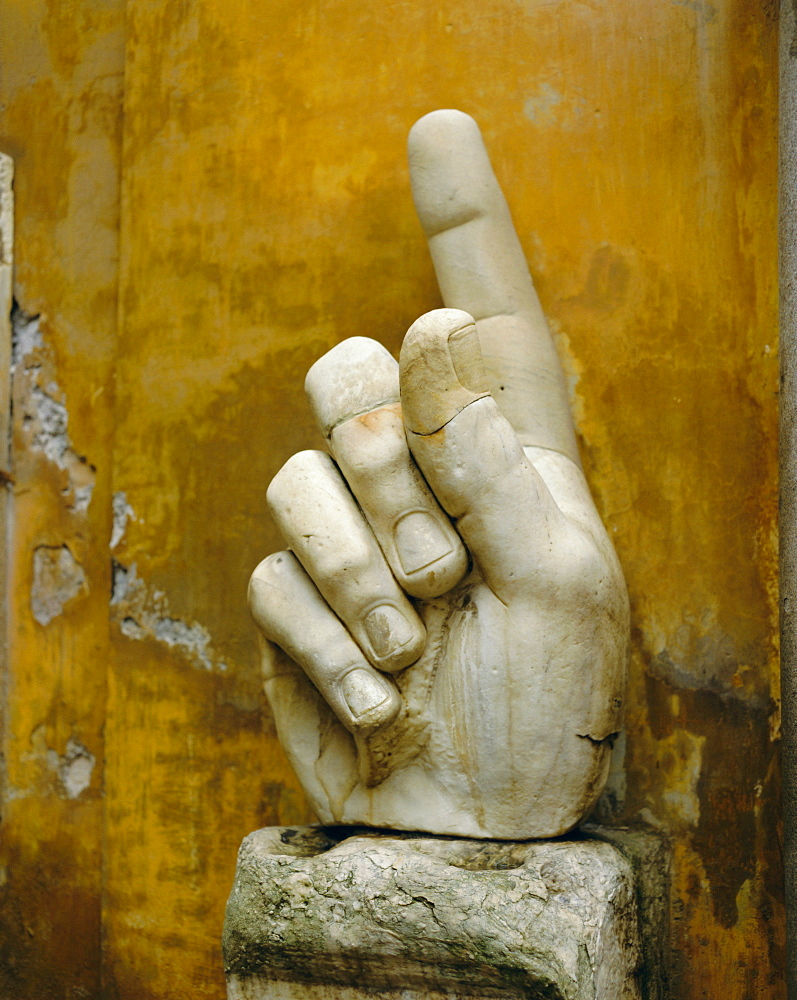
(737, 758)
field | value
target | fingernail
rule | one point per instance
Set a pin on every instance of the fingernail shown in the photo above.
(420, 541)
(441, 369)
(466, 357)
(363, 692)
(388, 630)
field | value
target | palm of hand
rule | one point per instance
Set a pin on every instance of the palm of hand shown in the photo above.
(508, 683)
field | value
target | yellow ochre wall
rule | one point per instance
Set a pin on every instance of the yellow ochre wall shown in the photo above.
(209, 195)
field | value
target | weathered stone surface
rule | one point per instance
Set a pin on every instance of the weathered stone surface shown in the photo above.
(352, 914)
(648, 853)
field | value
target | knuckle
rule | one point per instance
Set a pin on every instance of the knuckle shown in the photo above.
(334, 566)
(387, 458)
(371, 443)
(583, 572)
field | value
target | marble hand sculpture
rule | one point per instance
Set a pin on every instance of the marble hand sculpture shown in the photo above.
(444, 638)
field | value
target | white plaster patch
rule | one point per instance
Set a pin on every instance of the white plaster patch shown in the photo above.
(144, 614)
(52, 419)
(194, 639)
(122, 513)
(26, 336)
(82, 498)
(73, 768)
(57, 579)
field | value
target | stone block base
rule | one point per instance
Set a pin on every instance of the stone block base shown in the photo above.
(340, 914)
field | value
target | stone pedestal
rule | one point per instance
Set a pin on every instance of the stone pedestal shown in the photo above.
(352, 914)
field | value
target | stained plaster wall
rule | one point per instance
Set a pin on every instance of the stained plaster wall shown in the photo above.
(208, 198)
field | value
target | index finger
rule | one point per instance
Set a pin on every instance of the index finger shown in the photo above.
(481, 269)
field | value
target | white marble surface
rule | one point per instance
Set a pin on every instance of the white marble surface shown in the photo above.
(444, 637)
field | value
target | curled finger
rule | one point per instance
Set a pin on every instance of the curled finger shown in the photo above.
(354, 392)
(291, 613)
(324, 527)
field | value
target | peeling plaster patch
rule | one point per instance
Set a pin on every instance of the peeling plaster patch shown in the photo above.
(144, 614)
(194, 638)
(26, 335)
(82, 498)
(74, 768)
(132, 629)
(52, 420)
(57, 579)
(39, 406)
(122, 513)
(122, 580)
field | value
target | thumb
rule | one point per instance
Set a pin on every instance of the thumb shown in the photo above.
(471, 456)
